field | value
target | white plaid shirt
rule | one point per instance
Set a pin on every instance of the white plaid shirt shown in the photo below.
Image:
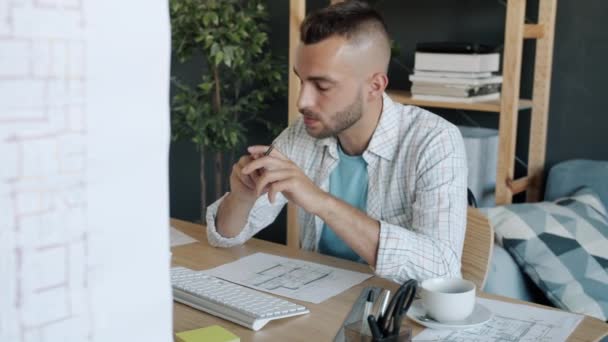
(417, 189)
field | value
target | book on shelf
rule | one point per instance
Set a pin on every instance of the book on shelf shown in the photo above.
(452, 74)
(468, 81)
(472, 99)
(483, 62)
(453, 47)
(457, 90)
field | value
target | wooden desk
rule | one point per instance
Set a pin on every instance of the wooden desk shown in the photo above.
(324, 319)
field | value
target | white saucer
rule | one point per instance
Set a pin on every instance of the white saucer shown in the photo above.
(480, 315)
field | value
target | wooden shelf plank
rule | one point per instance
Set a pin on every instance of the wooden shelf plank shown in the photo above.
(405, 97)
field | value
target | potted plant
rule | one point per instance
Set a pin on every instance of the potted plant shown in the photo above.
(241, 77)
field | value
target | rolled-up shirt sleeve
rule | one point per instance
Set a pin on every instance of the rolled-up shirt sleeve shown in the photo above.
(262, 214)
(432, 245)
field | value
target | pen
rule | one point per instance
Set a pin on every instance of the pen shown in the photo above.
(373, 325)
(269, 150)
(367, 310)
(383, 301)
(384, 320)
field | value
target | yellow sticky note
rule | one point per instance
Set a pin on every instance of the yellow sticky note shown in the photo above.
(213, 333)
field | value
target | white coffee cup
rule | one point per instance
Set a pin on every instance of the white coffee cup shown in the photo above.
(448, 299)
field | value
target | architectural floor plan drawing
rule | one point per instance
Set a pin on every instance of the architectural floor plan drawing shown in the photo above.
(291, 278)
(511, 322)
(288, 275)
(504, 329)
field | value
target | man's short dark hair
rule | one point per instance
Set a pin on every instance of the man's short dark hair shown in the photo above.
(347, 19)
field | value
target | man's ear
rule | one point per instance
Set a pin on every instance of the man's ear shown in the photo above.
(377, 85)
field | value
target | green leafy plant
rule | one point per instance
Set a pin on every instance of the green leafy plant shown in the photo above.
(241, 77)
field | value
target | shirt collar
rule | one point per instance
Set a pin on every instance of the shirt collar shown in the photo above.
(383, 141)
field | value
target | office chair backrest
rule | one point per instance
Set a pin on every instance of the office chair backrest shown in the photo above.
(478, 245)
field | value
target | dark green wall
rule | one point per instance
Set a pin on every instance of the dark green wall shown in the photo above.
(577, 120)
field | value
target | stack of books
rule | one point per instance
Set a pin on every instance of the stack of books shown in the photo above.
(455, 73)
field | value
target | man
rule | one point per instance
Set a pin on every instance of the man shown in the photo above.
(375, 181)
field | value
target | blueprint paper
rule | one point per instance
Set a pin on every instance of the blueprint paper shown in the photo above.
(292, 278)
(511, 322)
(84, 137)
(178, 238)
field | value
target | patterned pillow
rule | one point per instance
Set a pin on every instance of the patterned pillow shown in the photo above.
(562, 246)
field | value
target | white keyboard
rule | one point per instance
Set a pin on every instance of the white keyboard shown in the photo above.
(236, 303)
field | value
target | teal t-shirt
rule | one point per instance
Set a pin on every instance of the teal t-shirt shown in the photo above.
(348, 182)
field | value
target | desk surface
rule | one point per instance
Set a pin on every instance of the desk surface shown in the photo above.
(322, 323)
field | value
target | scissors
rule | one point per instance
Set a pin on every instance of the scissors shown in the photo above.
(398, 306)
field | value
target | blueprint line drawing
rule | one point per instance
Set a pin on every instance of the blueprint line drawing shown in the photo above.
(504, 329)
(288, 275)
(292, 278)
(511, 322)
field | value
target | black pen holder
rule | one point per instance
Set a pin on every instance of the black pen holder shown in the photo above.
(359, 332)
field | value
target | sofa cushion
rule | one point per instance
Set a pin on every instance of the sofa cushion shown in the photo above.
(565, 177)
(562, 246)
(506, 278)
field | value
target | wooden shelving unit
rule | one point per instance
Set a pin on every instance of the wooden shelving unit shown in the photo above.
(516, 30)
(405, 97)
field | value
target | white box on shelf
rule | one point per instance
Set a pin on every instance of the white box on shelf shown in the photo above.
(481, 145)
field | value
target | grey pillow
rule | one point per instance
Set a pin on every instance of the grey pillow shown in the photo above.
(562, 246)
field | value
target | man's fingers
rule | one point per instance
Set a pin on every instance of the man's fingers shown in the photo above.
(243, 161)
(245, 179)
(248, 180)
(250, 183)
(238, 170)
(255, 176)
(259, 150)
(275, 188)
(268, 163)
(269, 178)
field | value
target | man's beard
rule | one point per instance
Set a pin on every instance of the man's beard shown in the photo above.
(340, 121)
